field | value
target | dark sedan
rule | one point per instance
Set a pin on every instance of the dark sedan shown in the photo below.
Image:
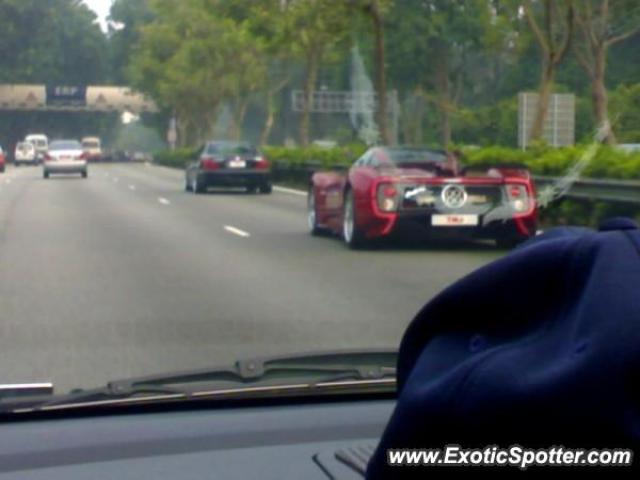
(229, 164)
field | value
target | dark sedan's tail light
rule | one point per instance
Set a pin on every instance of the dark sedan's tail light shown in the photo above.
(261, 163)
(388, 197)
(518, 197)
(209, 163)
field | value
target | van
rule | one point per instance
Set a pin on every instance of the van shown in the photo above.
(92, 148)
(25, 153)
(41, 144)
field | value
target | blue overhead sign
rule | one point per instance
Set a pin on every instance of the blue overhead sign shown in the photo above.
(66, 96)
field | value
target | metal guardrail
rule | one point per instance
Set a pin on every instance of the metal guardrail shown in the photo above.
(618, 191)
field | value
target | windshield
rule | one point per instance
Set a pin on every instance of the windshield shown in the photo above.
(64, 145)
(407, 156)
(231, 148)
(38, 142)
(238, 206)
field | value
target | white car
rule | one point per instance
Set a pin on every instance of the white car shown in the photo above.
(25, 153)
(65, 156)
(41, 142)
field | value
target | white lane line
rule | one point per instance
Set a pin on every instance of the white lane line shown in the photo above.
(115, 180)
(7, 181)
(164, 201)
(236, 231)
(292, 191)
(132, 188)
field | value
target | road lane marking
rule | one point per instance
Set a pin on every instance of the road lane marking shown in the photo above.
(292, 191)
(164, 201)
(236, 231)
(132, 188)
(7, 181)
(115, 180)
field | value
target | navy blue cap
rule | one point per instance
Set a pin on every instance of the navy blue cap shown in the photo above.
(540, 348)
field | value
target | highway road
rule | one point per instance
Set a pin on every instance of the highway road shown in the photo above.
(126, 274)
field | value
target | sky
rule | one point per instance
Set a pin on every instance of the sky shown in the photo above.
(101, 7)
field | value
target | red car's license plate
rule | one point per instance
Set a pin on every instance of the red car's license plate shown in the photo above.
(454, 220)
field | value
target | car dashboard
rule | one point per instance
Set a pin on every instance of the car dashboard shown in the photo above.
(329, 440)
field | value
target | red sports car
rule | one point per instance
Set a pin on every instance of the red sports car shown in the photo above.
(397, 189)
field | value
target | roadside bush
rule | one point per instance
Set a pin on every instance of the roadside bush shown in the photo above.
(177, 158)
(543, 160)
(323, 157)
(609, 162)
(291, 166)
(624, 110)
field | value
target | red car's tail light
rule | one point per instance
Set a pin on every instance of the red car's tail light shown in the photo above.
(388, 197)
(518, 197)
(261, 163)
(516, 191)
(47, 157)
(209, 163)
(389, 191)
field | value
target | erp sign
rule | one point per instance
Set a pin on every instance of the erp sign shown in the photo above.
(66, 96)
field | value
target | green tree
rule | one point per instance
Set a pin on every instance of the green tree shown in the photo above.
(53, 42)
(376, 11)
(125, 21)
(552, 23)
(316, 28)
(57, 41)
(431, 44)
(603, 24)
(190, 59)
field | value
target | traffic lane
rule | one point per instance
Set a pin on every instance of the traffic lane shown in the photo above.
(278, 223)
(406, 276)
(171, 180)
(93, 288)
(286, 208)
(124, 285)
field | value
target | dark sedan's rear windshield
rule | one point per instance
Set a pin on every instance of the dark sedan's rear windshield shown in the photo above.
(231, 148)
(415, 156)
(65, 145)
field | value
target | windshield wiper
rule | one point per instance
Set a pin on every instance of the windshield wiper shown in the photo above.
(295, 374)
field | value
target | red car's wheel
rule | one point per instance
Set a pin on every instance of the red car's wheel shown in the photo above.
(351, 233)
